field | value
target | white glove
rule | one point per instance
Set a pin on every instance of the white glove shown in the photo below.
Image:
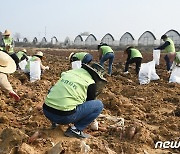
(47, 67)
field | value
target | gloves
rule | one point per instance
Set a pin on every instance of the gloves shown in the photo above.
(14, 95)
(7, 48)
(47, 67)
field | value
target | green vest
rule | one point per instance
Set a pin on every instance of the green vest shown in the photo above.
(8, 41)
(28, 63)
(135, 53)
(70, 90)
(80, 55)
(20, 54)
(171, 47)
(106, 49)
(177, 58)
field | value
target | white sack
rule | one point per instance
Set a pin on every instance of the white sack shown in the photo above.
(147, 73)
(76, 64)
(35, 71)
(22, 65)
(156, 56)
(175, 75)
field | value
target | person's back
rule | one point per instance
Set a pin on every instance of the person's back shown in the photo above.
(22, 55)
(73, 89)
(84, 57)
(106, 53)
(135, 53)
(72, 99)
(169, 47)
(106, 49)
(33, 58)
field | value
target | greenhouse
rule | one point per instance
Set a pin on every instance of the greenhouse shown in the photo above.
(108, 38)
(126, 39)
(146, 39)
(174, 35)
(90, 40)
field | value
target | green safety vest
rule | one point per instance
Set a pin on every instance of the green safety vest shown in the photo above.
(177, 58)
(8, 41)
(106, 49)
(70, 90)
(28, 63)
(80, 55)
(171, 47)
(135, 53)
(20, 54)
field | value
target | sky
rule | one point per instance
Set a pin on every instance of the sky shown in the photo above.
(62, 18)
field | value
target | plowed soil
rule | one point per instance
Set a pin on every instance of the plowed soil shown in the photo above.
(150, 111)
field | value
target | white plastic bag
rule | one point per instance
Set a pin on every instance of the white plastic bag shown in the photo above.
(175, 75)
(35, 71)
(22, 65)
(156, 56)
(147, 73)
(76, 64)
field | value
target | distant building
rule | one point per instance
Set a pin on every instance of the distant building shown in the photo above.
(35, 40)
(91, 40)
(146, 39)
(80, 40)
(126, 39)
(67, 42)
(25, 40)
(174, 35)
(44, 40)
(108, 38)
(54, 40)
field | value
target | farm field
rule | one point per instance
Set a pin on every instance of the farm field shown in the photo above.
(149, 110)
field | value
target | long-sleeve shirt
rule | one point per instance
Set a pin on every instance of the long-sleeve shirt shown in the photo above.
(4, 83)
(91, 92)
(163, 46)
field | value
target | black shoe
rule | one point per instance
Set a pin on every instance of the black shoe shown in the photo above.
(75, 133)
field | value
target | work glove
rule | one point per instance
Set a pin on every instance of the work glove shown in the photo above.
(7, 48)
(47, 68)
(14, 95)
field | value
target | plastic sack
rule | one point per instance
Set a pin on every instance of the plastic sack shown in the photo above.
(147, 73)
(35, 71)
(22, 65)
(156, 56)
(175, 75)
(76, 64)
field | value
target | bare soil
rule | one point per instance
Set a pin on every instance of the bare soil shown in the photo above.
(150, 111)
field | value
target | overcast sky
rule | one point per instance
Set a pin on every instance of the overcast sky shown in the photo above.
(62, 18)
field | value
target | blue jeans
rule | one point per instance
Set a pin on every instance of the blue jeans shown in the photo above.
(87, 59)
(84, 115)
(168, 63)
(104, 58)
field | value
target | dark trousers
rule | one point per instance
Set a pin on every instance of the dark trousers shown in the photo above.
(87, 59)
(168, 63)
(15, 58)
(136, 60)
